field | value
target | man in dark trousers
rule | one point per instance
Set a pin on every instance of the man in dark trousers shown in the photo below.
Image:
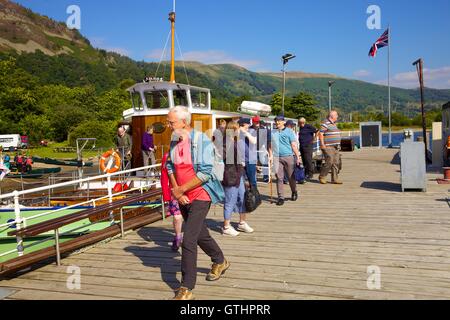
(307, 135)
(196, 187)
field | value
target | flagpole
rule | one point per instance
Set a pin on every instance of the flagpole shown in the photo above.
(389, 86)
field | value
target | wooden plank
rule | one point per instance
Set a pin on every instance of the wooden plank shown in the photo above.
(238, 273)
(419, 275)
(31, 294)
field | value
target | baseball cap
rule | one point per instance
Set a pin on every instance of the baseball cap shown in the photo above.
(244, 121)
(290, 123)
(256, 119)
(279, 118)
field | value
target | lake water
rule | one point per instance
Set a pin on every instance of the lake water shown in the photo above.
(397, 138)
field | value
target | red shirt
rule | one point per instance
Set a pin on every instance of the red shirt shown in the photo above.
(165, 182)
(184, 170)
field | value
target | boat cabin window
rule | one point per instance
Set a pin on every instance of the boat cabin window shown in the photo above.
(180, 98)
(136, 100)
(199, 99)
(157, 99)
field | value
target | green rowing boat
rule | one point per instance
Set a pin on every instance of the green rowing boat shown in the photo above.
(71, 162)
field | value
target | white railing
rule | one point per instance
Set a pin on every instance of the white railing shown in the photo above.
(21, 222)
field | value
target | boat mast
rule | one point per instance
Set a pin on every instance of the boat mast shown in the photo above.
(172, 21)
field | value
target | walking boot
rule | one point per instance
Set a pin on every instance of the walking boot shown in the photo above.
(217, 271)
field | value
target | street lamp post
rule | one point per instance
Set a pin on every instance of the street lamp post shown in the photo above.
(286, 59)
(330, 84)
(419, 66)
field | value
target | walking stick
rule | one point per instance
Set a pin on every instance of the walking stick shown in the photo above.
(270, 180)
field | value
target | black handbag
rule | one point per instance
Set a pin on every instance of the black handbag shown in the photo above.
(252, 199)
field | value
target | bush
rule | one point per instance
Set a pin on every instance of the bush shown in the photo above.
(103, 131)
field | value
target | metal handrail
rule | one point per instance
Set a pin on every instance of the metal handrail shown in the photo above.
(70, 183)
(21, 222)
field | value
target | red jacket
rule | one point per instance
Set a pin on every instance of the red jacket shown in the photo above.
(165, 182)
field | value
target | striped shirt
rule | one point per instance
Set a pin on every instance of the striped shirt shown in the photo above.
(331, 133)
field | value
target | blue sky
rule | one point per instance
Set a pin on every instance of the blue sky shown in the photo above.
(327, 36)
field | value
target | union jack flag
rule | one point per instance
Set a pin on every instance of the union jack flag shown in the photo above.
(383, 41)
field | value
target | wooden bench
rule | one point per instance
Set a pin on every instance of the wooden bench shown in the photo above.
(145, 216)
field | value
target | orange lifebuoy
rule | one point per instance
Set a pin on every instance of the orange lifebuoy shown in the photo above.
(117, 160)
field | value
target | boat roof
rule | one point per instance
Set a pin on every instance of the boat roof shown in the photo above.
(163, 85)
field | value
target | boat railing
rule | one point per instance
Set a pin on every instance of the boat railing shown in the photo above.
(21, 222)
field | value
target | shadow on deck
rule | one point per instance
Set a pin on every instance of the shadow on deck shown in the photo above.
(381, 185)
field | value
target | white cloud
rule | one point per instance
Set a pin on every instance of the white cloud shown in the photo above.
(206, 57)
(361, 73)
(433, 78)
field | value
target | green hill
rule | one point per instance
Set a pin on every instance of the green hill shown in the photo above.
(56, 55)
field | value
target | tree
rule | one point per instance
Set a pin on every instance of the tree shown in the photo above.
(276, 103)
(304, 105)
(36, 127)
(111, 105)
(103, 131)
(17, 96)
(125, 84)
(66, 117)
(400, 120)
(236, 103)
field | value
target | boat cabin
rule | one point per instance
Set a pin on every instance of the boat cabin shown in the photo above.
(151, 102)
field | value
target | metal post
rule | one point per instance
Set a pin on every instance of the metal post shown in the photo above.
(389, 87)
(419, 66)
(58, 254)
(111, 213)
(284, 88)
(80, 169)
(329, 97)
(49, 191)
(330, 105)
(18, 223)
(121, 223)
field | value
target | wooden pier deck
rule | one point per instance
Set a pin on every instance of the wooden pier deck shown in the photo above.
(317, 248)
